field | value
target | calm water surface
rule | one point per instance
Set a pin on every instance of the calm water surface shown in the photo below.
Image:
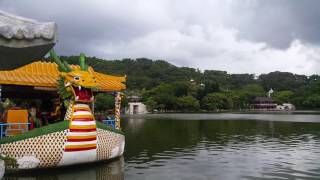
(208, 146)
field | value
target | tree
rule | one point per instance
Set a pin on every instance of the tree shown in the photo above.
(181, 88)
(221, 77)
(209, 87)
(248, 93)
(188, 103)
(151, 104)
(216, 101)
(283, 96)
(236, 99)
(163, 95)
(312, 101)
(239, 80)
(104, 101)
(165, 83)
(281, 81)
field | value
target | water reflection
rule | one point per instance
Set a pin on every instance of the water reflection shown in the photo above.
(191, 146)
(217, 149)
(113, 170)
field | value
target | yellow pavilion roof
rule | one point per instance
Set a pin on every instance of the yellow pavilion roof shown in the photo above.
(45, 74)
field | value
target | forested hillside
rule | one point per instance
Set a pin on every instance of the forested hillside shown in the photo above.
(164, 86)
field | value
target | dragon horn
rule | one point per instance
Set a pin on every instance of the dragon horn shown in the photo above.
(67, 66)
(82, 62)
(61, 65)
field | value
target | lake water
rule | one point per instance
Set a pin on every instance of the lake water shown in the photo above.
(208, 146)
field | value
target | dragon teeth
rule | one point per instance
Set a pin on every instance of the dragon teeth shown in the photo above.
(79, 88)
(67, 84)
(77, 97)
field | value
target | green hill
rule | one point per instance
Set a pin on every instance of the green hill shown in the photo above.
(164, 85)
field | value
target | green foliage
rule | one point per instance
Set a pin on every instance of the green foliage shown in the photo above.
(249, 92)
(188, 103)
(104, 102)
(124, 101)
(253, 89)
(216, 101)
(165, 83)
(283, 96)
(238, 101)
(312, 101)
(237, 81)
(181, 88)
(281, 81)
(142, 72)
(208, 87)
(163, 95)
(62, 91)
(10, 163)
(221, 77)
(313, 88)
(151, 104)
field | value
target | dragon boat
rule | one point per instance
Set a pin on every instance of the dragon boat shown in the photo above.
(76, 138)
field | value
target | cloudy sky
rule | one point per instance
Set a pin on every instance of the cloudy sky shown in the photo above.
(238, 36)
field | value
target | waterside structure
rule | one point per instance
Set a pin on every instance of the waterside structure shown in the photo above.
(135, 105)
(73, 136)
(76, 139)
(264, 103)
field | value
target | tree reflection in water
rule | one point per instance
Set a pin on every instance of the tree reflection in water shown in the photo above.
(113, 170)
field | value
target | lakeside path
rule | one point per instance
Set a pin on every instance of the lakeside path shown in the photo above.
(298, 116)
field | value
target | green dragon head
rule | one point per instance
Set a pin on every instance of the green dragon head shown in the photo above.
(75, 84)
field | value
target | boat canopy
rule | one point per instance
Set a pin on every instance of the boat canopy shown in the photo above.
(42, 75)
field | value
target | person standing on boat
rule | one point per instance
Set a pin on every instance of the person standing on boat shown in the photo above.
(33, 117)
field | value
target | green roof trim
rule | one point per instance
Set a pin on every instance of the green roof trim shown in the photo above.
(52, 128)
(108, 128)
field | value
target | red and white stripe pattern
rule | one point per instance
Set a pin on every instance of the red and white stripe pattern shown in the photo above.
(82, 133)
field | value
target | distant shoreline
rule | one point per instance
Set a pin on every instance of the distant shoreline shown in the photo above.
(233, 112)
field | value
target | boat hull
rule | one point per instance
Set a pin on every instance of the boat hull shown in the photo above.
(47, 150)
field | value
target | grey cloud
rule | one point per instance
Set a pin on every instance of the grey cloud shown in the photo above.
(81, 26)
(237, 36)
(277, 22)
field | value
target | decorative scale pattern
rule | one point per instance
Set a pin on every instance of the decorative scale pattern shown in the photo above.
(47, 148)
(107, 141)
(69, 111)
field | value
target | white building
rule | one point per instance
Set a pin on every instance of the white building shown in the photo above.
(135, 106)
(286, 107)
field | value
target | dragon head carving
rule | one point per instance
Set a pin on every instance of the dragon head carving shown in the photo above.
(75, 84)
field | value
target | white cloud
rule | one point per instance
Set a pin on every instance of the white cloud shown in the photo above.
(216, 47)
(205, 34)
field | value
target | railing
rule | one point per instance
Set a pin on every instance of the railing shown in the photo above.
(110, 122)
(5, 127)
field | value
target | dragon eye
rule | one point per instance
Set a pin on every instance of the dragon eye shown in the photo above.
(77, 78)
